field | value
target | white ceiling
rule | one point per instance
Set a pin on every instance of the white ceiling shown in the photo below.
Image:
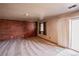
(17, 11)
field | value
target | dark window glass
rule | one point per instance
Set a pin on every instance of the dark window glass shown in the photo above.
(42, 28)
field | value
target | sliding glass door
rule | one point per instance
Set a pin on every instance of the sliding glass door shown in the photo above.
(74, 34)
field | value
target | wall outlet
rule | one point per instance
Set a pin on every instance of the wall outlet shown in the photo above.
(49, 37)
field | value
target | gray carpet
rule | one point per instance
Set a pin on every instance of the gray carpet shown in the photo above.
(32, 47)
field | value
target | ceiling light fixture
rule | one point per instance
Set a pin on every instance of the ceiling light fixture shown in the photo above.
(72, 6)
(27, 14)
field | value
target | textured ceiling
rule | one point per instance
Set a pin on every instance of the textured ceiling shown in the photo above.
(18, 11)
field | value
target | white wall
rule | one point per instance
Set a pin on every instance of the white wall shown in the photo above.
(51, 27)
(58, 29)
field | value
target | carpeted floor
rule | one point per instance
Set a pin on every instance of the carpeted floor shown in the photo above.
(33, 47)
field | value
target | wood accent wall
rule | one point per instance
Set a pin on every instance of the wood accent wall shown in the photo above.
(10, 29)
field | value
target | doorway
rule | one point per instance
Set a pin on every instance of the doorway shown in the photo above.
(74, 34)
